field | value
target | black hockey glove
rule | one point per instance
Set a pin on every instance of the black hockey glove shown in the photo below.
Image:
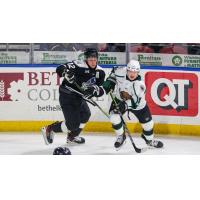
(91, 91)
(70, 77)
(69, 73)
(121, 107)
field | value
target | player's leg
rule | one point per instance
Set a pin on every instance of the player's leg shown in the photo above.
(70, 105)
(49, 130)
(85, 114)
(145, 118)
(118, 127)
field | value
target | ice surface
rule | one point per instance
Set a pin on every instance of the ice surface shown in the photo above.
(96, 144)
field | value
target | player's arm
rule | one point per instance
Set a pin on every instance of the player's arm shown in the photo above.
(110, 82)
(68, 71)
(96, 90)
(139, 89)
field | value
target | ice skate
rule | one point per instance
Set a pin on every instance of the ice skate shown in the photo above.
(120, 141)
(153, 143)
(48, 133)
(75, 139)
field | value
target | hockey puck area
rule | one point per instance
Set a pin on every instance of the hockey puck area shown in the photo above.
(96, 144)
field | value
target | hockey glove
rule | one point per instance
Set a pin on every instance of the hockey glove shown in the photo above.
(91, 91)
(109, 84)
(69, 74)
(70, 77)
(121, 107)
(125, 95)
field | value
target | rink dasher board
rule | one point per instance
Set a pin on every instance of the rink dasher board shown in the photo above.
(29, 100)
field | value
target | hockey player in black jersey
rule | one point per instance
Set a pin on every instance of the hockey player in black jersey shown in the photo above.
(90, 77)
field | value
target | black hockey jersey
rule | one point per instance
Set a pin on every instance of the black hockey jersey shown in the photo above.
(83, 75)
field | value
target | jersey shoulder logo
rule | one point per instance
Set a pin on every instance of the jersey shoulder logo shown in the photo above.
(87, 71)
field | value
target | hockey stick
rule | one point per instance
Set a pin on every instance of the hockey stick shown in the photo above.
(91, 101)
(77, 92)
(96, 104)
(138, 150)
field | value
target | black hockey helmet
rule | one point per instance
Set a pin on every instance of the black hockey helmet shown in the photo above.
(90, 52)
(61, 151)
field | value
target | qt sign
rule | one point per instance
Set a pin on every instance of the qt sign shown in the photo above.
(171, 93)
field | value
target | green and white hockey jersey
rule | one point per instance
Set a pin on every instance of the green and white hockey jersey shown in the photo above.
(118, 81)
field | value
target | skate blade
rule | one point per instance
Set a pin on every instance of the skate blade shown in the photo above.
(152, 147)
(70, 143)
(43, 131)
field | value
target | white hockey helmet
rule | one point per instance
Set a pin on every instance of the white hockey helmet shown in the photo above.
(133, 65)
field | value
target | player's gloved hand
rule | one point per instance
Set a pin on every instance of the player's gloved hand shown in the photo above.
(121, 107)
(69, 73)
(125, 95)
(91, 91)
(70, 77)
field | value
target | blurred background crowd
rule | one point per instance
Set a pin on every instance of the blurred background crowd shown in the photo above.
(164, 48)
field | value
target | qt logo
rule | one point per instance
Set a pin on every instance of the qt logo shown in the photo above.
(173, 94)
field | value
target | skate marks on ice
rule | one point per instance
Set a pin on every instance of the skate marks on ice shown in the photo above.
(99, 144)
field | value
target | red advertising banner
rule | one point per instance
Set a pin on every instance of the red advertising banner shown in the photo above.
(172, 93)
(7, 83)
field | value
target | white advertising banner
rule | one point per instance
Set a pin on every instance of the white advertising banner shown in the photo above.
(54, 57)
(157, 59)
(105, 58)
(32, 94)
(14, 57)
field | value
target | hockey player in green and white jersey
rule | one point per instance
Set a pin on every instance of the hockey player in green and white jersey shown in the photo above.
(129, 90)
